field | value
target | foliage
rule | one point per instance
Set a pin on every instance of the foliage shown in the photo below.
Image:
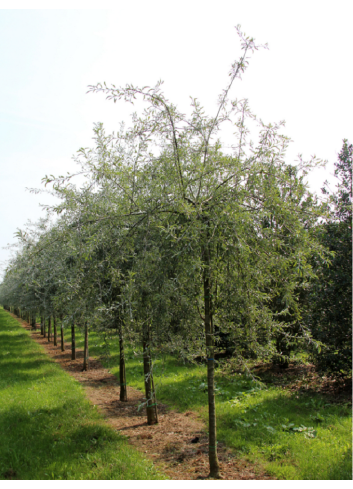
(331, 294)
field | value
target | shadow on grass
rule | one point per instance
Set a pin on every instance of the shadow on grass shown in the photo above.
(30, 442)
(260, 425)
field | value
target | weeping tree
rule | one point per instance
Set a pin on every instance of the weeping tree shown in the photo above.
(213, 203)
(204, 228)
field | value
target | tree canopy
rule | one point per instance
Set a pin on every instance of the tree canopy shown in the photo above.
(330, 306)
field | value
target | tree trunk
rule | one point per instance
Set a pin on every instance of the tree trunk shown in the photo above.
(151, 405)
(55, 332)
(73, 341)
(34, 324)
(49, 328)
(41, 325)
(62, 334)
(44, 328)
(85, 352)
(122, 372)
(212, 437)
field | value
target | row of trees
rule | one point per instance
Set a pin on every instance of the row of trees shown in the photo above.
(172, 237)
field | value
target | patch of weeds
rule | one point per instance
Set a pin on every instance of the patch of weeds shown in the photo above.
(275, 452)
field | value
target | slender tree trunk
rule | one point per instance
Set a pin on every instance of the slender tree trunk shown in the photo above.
(49, 329)
(73, 341)
(122, 372)
(55, 332)
(44, 327)
(85, 352)
(151, 404)
(62, 334)
(212, 437)
(41, 325)
(119, 326)
(34, 324)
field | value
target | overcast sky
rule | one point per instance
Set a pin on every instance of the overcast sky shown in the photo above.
(49, 57)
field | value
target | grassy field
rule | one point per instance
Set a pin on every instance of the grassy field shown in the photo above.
(294, 435)
(48, 429)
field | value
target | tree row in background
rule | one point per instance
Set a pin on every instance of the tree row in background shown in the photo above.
(182, 244)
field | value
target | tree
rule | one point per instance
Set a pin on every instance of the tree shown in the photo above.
(330, 313)
(211, 206)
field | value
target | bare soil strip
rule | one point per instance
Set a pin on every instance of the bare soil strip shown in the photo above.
(169, 443)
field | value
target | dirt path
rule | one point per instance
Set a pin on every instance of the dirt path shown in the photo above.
(168, 443)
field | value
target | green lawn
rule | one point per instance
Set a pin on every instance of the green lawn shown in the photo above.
(293, 435)
(48, 430)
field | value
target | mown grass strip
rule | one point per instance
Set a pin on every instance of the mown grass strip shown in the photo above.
(48, 429)
(300, 436)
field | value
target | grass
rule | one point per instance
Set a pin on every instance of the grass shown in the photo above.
(294, 435)
(48, 429)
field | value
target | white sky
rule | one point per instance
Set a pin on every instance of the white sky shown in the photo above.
(49, 57)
